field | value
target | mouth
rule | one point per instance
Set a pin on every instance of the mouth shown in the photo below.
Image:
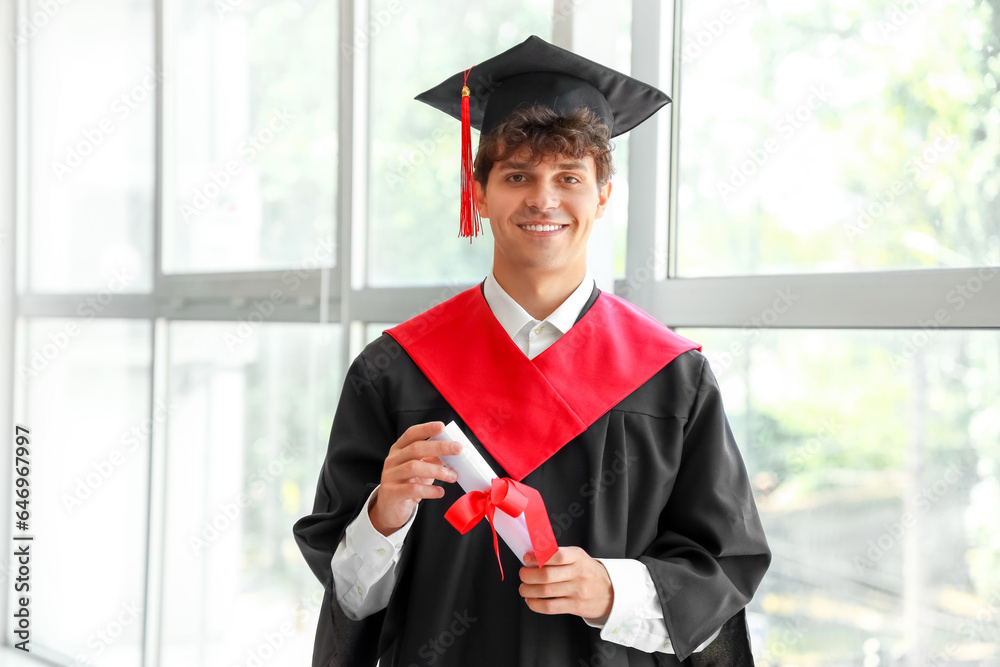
(542, 227)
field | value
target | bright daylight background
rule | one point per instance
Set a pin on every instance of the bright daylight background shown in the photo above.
(210, 207)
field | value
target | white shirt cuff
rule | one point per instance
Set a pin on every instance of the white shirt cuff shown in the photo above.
(364, 564)
(636, 617)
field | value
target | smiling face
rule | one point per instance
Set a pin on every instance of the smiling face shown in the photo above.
(541, 213)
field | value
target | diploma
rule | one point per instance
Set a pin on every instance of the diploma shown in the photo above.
(486, 494)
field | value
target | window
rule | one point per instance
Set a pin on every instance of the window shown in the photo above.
(835, 195)
(88, 411)
(825, 136)
(251, 141)
(250, 422)
(873, 457)
(91, 89)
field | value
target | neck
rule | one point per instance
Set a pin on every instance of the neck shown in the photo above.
(539, 293)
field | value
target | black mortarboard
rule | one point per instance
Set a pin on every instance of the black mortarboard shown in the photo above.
(538, 73)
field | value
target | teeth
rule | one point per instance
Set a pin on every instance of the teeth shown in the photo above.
(541, 228)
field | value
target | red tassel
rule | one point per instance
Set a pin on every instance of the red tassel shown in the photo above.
(469, 225)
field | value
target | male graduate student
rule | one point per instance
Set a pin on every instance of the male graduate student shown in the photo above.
(613, 419)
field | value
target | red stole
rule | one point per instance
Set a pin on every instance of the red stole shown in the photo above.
(525, 410)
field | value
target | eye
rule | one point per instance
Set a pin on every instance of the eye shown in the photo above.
(516, 178)
(572, 179)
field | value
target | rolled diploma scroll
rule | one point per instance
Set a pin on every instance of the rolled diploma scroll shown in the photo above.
(475, 474)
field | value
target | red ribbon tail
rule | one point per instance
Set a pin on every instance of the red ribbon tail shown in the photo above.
(490, 510)
(543, 541)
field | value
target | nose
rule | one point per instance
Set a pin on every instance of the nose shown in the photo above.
(542, 196)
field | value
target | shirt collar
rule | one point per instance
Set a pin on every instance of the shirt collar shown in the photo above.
(512, 317)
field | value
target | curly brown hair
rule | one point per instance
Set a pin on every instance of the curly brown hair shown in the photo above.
(544, 132)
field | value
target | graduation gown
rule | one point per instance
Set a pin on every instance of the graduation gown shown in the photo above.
(656, 476)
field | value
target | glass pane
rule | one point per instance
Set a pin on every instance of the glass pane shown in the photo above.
(91, 104)
(838, 137)
(373, 330)
(414, 153)
(251, 135)
(603, 33)
(248, 435)
(86, 389)
(875, 456)
(617, 212)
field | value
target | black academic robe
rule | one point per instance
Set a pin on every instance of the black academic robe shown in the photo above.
(657, 478)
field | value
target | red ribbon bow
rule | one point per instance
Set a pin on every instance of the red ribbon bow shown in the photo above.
(512, 498)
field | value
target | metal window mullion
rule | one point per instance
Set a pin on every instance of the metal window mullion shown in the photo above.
(353, 188)
(673, 50)
(645, 257)
(11, 148)
(396, 304)
(953, 298)
(156, 496)
(246, 316)
(349, 11)
(156, 467)
(23, 232)
(159, 169)
(562, 23)
(307, 284)
(125, 306)
(913, 299)
(252, 311)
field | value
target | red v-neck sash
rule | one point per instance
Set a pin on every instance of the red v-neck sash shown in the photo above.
(525, 410)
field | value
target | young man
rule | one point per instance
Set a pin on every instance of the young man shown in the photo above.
(614, 420)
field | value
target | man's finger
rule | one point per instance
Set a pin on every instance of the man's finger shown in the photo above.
(551, 605)
(425, 449)
(545, 575)
(420, 469)
(422, 491)
(557, 589)
(566, 555)
(419, 432)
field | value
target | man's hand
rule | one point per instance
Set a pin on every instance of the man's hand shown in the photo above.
(571, 582)
(408, 476)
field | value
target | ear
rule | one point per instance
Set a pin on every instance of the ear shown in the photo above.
(480, 191)
(603, 195)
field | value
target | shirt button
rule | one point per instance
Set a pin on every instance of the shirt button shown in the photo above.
(615, 631)
(539, 329)
(381, 551)
(361, 591)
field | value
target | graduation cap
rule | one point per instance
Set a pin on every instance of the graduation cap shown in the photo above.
(536, 73)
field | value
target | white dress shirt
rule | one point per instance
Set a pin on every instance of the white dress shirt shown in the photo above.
(364, 565)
